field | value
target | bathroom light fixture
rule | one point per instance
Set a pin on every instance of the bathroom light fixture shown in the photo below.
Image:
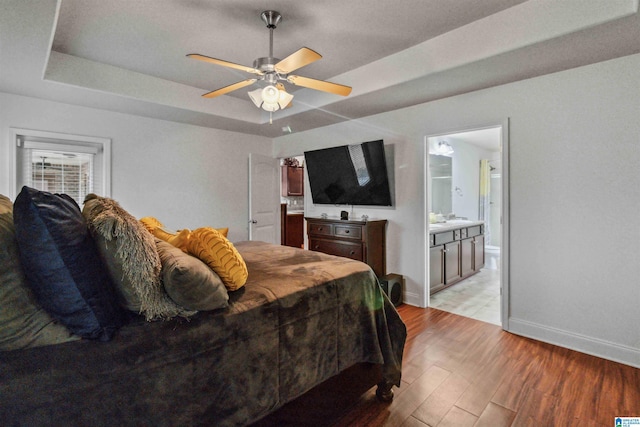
(444, 148)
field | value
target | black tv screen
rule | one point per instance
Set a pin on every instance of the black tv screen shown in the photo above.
(349, 175)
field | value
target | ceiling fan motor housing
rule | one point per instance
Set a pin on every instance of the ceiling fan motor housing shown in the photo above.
(267, 66)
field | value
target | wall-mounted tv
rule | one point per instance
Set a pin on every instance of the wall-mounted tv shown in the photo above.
(349, 175)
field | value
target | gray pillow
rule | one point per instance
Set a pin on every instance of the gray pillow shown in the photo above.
(189, 281)
(23, 323)
(129, 252)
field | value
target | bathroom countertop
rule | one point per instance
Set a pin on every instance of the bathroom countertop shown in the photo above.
(453, 224)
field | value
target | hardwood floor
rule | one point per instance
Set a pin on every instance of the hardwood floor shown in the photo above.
(464, 372)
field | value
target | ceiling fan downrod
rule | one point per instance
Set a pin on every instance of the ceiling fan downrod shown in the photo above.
(271, 18)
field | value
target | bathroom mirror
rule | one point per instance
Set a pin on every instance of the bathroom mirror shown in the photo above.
(441, 172)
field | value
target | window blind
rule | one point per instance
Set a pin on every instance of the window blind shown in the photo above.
(59, 167)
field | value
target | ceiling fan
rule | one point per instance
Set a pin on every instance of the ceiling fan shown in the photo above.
(273, 71)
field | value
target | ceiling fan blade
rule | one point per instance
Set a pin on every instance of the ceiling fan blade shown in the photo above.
(298, 59)
(224, 63)
(229, 88)
(322, 85)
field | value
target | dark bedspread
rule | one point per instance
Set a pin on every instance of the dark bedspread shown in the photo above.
(301, 318)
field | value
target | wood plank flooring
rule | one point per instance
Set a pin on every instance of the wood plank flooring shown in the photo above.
(464, 372)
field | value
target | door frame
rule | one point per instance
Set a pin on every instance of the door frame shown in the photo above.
(505, 213)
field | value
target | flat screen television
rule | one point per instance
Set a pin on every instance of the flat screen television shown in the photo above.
(349, 175)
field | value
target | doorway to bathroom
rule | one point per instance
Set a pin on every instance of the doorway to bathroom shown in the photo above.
(466, 183)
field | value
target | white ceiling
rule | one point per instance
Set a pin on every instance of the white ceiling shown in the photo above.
(488, 139)
(129, 55)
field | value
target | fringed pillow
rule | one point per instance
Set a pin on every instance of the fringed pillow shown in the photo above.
(129, 251)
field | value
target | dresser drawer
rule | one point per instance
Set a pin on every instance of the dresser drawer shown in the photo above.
(339, 248)
(321, 229)
(351, 232)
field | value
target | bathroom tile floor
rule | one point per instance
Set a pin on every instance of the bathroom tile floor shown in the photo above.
(478, 296)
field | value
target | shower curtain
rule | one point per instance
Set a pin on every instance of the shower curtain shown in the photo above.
(484, 211)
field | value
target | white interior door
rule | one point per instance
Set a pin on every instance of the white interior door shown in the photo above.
(264, 200)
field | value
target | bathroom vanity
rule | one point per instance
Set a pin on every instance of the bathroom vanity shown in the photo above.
(456, 251)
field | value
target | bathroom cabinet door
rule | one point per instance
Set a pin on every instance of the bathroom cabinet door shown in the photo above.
(452, 262)
(467, 250)
(478, 252)
(436, 268)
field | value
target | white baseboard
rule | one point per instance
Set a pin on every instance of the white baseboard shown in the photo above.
(411, 298)
(584, 344)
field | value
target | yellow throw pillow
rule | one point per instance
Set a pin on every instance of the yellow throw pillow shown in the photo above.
(224, 231)
(178, 239)
(220, 255)
(150, 223)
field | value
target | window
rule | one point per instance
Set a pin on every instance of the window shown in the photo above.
(359, 164)
(57, 163)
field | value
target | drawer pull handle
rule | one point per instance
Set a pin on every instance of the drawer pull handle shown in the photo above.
(352, 253)
(320, 228)
(316, 247)
(346, 231)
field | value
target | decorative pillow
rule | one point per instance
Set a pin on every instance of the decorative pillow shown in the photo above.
(188, 281)
(178, 239)
(62, 265)
(23, 323)
(219, 253)
(150, 223)
(6, 207)
(224, 231)
(131, 257)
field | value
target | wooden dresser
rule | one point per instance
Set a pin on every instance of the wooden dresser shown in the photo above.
(360, 240)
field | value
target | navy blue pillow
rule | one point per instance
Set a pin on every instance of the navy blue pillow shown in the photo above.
(62, 265)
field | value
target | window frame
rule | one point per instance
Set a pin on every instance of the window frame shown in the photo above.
(16, 134)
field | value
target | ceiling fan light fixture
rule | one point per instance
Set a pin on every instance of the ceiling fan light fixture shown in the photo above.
(270, 106)
(270, 94)
(270, 98)
(284, 99)
(256, 97)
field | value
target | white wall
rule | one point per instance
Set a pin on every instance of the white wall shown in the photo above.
(466, 176)
(186, 176)
(574, 198)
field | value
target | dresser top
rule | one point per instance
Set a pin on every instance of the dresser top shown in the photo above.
(336, 220)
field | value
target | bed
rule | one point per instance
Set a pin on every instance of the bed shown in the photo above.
(301, 318)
